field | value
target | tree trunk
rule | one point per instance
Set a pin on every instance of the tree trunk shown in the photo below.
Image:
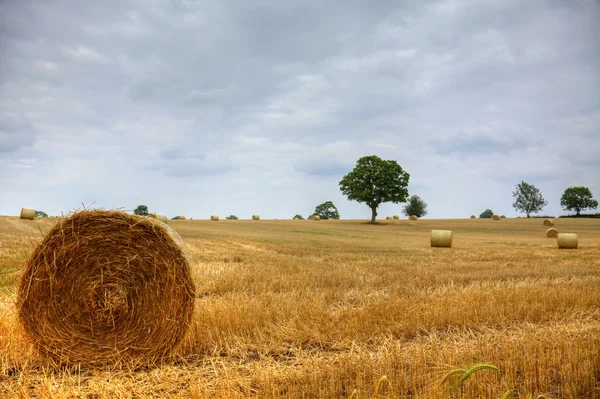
(528, 216)
(373, 215)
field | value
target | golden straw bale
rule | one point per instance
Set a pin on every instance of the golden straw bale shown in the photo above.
(567, 241)
(27, 213)
(441, 238)
(105, 287)
(473, 217)
(548, 222)
(496, 217)
(316, 217)
(413, 217)
(388, 218)
(214, 218)
(296, 219)
(162, 218)
(396, 217)
(255, 217)
(551, 233)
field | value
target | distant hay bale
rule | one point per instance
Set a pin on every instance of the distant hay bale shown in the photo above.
(316, 217)
(105, 287)
(388, 218)
(519, 217)
(496, 217)
(567, 241)
(396, 217)
(162, 218)
(413, 217)
(214, 218)
(548, 222)
(473, 217)
(255, 217)
(27, 213)
(441, 238)
(180, 217)
(551, 233)
(296, 219)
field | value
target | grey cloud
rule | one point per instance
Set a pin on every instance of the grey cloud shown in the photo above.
(323, 168)
(15, 133)
(477, 144)
(176, 162)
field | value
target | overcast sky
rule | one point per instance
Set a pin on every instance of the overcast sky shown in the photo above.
(239, 107)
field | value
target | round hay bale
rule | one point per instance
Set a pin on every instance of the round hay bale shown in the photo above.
(396, 217)
(180, 217)
(105, 287)
(214, 218)
(441, 238)
(162, 218)
(316, 217)
(548, 222)
(473, 217)
(413, 217)
(551, 233)
(567, 241)
(27, 213)
(255, 217)
(388, 218)
(296, 219)
(496, 217)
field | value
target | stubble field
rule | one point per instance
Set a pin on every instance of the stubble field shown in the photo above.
(340, 309)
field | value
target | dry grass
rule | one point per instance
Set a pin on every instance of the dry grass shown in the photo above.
(328, 309)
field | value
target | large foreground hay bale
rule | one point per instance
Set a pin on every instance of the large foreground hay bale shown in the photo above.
(551, 233)
(473, 217)
(214, 218)
(316, 217)
(441, 238)
(27, 213)
(548, 222)
(413, 217)
(567, 241)
(105, 287)
(496, 217)
(396, 217)
(255, 217)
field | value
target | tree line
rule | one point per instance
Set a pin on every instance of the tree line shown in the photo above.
(375, 181)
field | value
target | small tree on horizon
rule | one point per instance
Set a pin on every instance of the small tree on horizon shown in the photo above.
(374, 181)
(326, 211)
(231, 217)
(298, 216)
(487, 214)
(415, 206)
(528, 199)
(41, 214)
(577, 199)
(141, 210)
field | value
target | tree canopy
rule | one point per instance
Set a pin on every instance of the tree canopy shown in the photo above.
(577, 199)
(141, 210)
(374, 181)
(415, 206)
(487, 214)
(326, 211)
(231, 217)
(41, 214)
(528, 199)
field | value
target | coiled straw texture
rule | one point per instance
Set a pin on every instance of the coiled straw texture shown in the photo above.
(105, 287)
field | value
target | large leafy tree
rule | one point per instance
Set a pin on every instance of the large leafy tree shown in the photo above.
(577, 199)
(415, 206)
(327, 211)
(374, 181)
(528, 199)
(141, 210)
(487, 214)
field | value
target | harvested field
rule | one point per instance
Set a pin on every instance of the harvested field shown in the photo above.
(327, 309)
